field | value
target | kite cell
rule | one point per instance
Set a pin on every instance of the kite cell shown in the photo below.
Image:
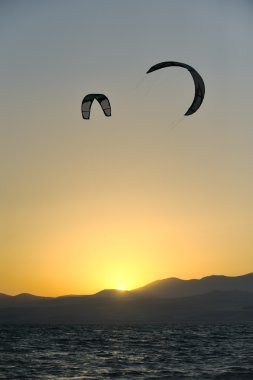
(198, 81)
(87, 103)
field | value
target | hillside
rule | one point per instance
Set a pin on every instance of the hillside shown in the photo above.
(175, 287)
(210, 299)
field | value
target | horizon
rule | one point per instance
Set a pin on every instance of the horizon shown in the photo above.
(144, 194)
(125, 290)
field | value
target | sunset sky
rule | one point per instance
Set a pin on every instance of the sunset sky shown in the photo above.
(145, 194)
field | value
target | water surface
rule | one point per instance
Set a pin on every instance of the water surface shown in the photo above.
(127, 352)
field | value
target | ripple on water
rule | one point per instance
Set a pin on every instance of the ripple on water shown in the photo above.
(127, 352)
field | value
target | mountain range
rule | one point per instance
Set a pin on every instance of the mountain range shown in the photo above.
(210, 299)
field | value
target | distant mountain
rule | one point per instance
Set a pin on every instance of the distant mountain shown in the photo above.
(112, 293)
(219, 306)
(3, 296)
(175, 287)
(210, 299)
(27, 296)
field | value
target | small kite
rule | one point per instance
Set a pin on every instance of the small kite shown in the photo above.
(87, 103)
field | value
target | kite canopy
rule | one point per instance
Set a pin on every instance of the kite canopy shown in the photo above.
(102, 100)
(198, 81)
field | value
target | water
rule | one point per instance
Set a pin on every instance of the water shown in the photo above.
(127, 352)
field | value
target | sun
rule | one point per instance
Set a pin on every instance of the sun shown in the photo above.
(120, 287)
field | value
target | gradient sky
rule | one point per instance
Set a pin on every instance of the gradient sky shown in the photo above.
(145, 194)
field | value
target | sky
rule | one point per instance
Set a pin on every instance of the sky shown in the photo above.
(147, 193)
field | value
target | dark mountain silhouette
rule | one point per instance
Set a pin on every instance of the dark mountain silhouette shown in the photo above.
(27, 296)
(112, 293)
(3, 296)
(216, 306)
(148, 304)
(175, 287)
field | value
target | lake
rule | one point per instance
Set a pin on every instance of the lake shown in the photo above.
(148, 351)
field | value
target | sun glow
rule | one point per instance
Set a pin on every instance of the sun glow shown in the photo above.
(120, 287)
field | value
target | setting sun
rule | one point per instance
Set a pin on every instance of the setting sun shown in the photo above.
(120, 287)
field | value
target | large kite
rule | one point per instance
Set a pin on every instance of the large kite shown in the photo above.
(198, 81)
